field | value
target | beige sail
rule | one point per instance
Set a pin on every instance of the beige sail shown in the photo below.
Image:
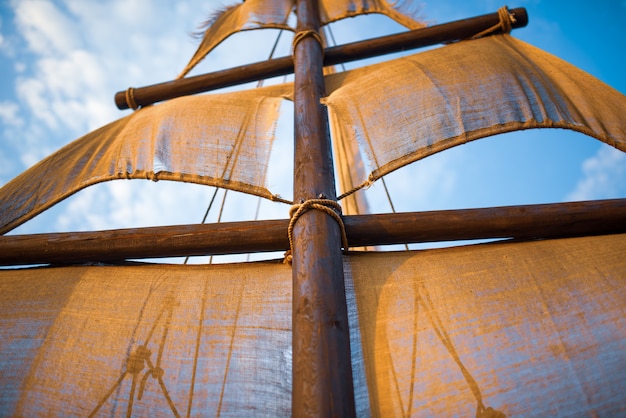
(146, 340)
(528, 329)
(496, 84)
(268, 14)
(249, 15)
(222, 140)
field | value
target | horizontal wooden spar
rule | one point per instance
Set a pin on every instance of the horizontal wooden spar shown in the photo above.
(520, 222)
(418, 38)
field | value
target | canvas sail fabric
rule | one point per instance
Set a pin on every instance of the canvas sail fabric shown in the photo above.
(465, 91)
(157, 341)
(221, 140)
(274, 14)
(527, 329)
(251, 14)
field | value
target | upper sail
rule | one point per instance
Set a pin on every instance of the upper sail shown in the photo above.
(409, 108)
(260, 14)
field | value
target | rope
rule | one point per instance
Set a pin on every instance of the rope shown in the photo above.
(328, 206)
(505, 23)
(304, 34)
(365, 185)
(130, 98)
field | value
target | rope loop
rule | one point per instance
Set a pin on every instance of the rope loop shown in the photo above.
(130, 98)
(327, 206)
(304, 34)
(505, 24)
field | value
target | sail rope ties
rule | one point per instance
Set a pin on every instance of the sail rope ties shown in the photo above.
(304, 34)
(505, 24)
(130, 98)
(328, 206)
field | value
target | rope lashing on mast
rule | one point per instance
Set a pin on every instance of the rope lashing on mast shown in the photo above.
(130, 98)
(305, 34)
(327, 206)
(506, 23)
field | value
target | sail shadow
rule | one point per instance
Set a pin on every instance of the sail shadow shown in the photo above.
(140, 358)
(423, 297)
(412, 363)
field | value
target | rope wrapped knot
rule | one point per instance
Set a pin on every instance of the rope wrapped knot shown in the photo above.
(304, 34)
(130, 98)
(327, 206)
(505, 24)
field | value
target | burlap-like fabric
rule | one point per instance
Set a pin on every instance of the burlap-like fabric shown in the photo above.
(156, 341)
(350, 170)
(403, 12)
(252, 14)
(221, 140)
(266, 14)
(409, 108)
(529, 329)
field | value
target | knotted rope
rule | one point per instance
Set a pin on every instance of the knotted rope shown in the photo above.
(130, 98)
(505, 24)
(328, 206)
(304, 34)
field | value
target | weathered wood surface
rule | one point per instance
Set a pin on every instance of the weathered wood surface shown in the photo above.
(520, 222)
(322, 370)
(433, 35)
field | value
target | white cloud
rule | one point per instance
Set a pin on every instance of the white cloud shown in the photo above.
(46, 29)
(604, 176)
(9, 114)
(32, 92)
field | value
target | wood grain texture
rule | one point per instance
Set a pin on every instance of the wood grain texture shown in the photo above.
(518, 222)
(433, 35)
(322, 369)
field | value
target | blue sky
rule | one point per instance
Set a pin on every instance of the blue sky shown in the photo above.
(61, 62)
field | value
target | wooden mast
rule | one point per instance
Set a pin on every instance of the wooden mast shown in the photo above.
(322, 372)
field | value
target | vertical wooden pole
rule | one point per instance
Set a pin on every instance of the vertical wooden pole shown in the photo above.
(322, 373)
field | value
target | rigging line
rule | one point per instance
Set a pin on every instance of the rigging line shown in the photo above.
(236, 146)
(393, 209)
(280, 32)
(206, 214)
(259, 85)
(332, 38)
(256, 215)
(371, 147)
(197, 348)
(342, 152)
(219, 216)
(230, 349)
